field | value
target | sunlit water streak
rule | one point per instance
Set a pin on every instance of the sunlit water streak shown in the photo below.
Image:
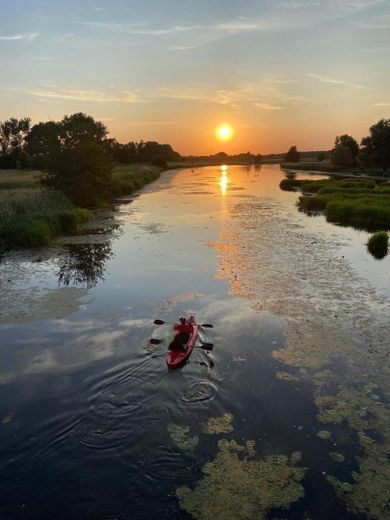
(86, 401)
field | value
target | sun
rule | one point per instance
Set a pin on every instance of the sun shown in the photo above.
(224, 132)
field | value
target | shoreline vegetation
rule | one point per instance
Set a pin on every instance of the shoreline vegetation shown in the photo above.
(72, 166)
(360, 203)
(327, 167)
(33, 217)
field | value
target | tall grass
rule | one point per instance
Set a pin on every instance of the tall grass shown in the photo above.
(361, 203)
(329, 168)
(36, 219)
(129, 178)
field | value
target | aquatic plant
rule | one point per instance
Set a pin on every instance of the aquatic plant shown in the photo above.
(324, 434)
(337, 457)
(378, 244)
(237, 488)
(217, 425)
(285, 376)
(180, 436)
(368, 491)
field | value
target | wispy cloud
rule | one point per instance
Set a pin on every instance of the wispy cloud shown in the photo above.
(336, 5)
(385, 104)
(267, 106)
(334, 81)
(86, 95)
(19, 37)
(262, 96)
(382, 23)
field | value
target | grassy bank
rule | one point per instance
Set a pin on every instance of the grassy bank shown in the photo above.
(31, 217)
(36, 219)
(361, 203)
(129, 178)
(326, 167)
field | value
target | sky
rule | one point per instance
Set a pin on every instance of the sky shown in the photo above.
(281, 72)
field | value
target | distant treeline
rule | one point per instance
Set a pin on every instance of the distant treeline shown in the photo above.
(25, 146)
(373, 151)
(250, 158)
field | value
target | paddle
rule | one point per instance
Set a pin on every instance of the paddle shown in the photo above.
(161, 322)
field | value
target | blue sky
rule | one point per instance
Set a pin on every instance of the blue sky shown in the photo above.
(281, 72)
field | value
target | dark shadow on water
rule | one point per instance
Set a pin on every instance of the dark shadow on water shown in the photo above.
(85, 264)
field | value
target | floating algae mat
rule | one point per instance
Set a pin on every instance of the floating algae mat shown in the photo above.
(237, 487)
(219, 424)
(180, 436)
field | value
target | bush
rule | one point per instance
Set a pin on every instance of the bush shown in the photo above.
(30, 234)
(378, 244)
(290, 184)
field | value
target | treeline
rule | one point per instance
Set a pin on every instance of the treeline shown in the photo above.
(25, 146)
(222, 157)
(76, 157)
(373, 151)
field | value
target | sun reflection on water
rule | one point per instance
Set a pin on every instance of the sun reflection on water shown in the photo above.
(224, 180)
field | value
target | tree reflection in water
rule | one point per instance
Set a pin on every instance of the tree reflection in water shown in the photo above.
(85, 264)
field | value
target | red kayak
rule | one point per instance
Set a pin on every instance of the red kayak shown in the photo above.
(179, 350)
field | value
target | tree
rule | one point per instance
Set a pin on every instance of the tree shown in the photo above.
(349, 142)
(292, 155)
(42, 142)
(341, 156)
(321, 156)
(79, 164)
(13, 133)
(376, 147)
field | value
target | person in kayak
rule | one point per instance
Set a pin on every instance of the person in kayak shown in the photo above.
(183, 330)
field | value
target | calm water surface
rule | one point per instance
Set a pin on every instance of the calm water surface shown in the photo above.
(300, 314)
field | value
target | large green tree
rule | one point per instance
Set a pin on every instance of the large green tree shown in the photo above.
(349, 142)
(342, 156)
(376, 147)
(78, 163)
(42, 142)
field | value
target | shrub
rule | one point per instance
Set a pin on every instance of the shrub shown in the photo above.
(378, 244)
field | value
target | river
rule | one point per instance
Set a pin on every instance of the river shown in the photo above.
(287, 417)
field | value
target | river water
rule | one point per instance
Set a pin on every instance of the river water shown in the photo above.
(291, 407)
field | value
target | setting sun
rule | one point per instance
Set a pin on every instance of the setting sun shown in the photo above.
(224, 132)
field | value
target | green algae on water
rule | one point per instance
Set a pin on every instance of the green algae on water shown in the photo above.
(217, 425)
(180, 436)
(285, 376)
(324, 434)
(337, 457)
(361, 408)
(235, 488)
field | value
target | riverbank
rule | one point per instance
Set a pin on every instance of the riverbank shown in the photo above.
(32, 217)
(326, 167)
